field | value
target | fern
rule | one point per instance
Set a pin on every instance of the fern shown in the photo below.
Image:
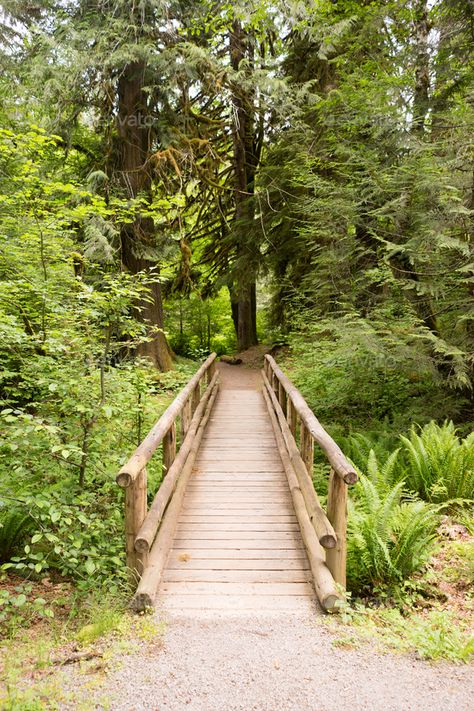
(15, 526)
(389, 539)
(440, 468)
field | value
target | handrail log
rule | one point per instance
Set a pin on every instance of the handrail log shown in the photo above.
(150, 579)
(332, 451)
(317, 516)
(143, 453)
(149, 527)
(324, 584)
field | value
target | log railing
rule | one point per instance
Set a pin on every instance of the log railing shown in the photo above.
(149, 532)
(324, 534)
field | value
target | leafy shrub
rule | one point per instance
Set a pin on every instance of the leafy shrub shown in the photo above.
(19, 607)
(358, 445)
(15, 525)
(440, 467)
(81, 539)
(389, 539)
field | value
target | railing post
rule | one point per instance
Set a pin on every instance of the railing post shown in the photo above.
(282, 396)
(185, 418)
(337, 515)
(135, 512)
(291, 416)
(307, 448)
(169, 448)
(195, 397)
(211, 371)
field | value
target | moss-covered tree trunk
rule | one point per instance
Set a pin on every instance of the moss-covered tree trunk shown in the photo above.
(138, 238)
(243, 292)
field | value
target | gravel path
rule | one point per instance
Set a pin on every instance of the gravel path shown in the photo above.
(277, 663)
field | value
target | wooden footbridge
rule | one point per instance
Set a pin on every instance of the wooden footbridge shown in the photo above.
(236, 523)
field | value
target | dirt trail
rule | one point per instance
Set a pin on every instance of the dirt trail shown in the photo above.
(274, 663)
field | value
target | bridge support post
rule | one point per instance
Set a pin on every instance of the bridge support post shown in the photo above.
(307, 449)
(135, 512)
(291, 417)
(337, 515)
(169, 448)
(185, 419)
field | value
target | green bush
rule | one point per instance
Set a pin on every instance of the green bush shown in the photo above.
(389, 538)
(15, 525)
(440, 467)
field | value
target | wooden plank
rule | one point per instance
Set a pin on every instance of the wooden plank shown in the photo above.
(282, 554)
(196, 588)
(259, 565)
(237, 487)
(185, 544)
(226, 544)
(241, 494)
(239, 455)
(215, 518)
(269, 467)
(282, 507)
(206, 575)
(239, 526)
(240, 538)
(217, 480)
(243, 499)
(271, 604)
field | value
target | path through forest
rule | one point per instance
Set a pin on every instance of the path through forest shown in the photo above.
(276, 660)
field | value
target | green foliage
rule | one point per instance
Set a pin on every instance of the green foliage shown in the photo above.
(358, 372)
(18, 609)
(14, 528)
(436, 635)
(440, 467)
(200, 326)
(389, 538)
(80, 539)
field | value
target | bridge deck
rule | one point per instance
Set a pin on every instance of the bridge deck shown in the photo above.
(238, 545)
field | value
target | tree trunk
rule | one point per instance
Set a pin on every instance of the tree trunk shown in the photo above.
(421, 99)
(139, 237)
(245, 163)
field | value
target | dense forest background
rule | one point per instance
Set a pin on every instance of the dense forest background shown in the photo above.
(183, 177)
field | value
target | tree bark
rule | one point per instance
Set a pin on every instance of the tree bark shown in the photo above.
(245, 163)
(421, 99)
(139, 237)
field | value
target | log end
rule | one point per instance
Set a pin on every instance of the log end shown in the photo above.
(350, 477)
(123, 479)
(327, 541)
(330, 603)
(141, 602)
(141, 545)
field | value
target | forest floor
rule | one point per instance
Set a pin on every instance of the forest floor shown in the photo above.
(234, 662)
